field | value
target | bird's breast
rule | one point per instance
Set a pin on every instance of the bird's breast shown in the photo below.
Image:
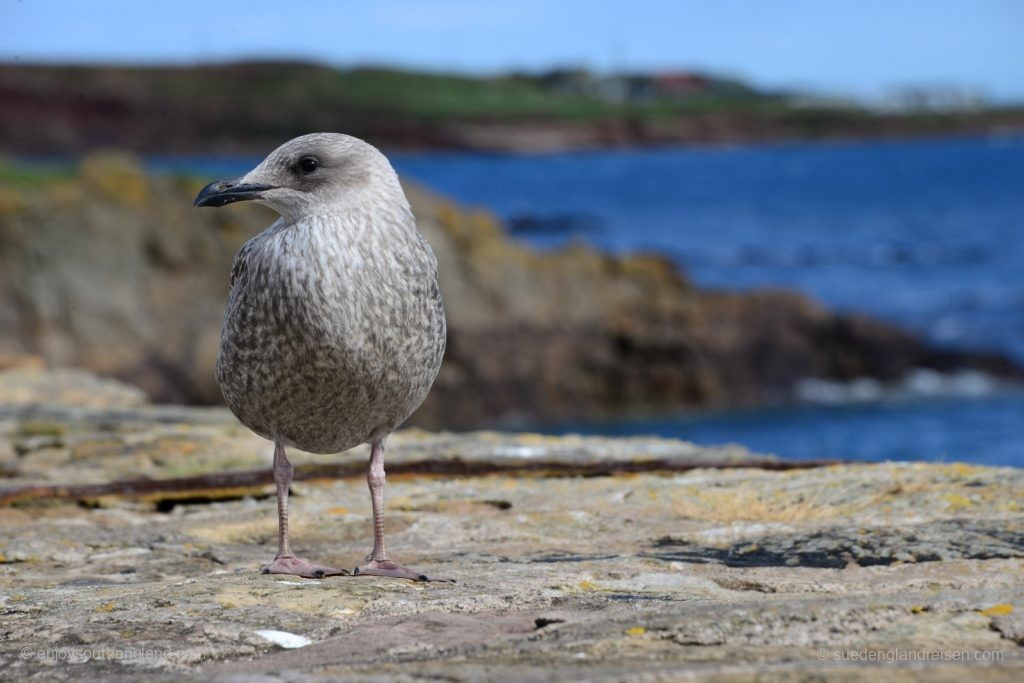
(333, 330)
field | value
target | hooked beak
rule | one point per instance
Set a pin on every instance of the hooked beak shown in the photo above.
(221, 192)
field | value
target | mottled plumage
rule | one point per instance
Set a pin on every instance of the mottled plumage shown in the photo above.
(334, 329)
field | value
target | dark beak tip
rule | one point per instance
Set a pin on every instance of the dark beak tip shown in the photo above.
(221, 192)
(209, 194)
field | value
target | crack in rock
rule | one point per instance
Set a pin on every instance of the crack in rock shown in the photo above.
(837, 547)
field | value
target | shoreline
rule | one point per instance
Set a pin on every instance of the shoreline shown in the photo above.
(498, 146)
(540, 138)
(185, 163)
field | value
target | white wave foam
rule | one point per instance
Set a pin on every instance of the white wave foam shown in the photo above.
(921, 382)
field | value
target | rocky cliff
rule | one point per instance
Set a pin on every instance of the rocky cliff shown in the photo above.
(108, 269)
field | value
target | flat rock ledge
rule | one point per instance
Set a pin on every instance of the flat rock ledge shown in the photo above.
(638, 559)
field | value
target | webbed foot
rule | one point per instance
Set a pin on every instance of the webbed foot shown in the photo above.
(296, 566)
(388, 568)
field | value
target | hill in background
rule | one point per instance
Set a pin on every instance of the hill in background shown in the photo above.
(250, 107)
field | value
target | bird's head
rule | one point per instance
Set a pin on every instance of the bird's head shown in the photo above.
(312, 174)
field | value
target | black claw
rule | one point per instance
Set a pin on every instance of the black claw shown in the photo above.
(423, 577)
(265, 570)
(319, 573)
(355, 572)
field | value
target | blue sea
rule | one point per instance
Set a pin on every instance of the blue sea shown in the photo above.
(927, 234)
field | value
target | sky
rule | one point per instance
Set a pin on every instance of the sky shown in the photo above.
(858, 48)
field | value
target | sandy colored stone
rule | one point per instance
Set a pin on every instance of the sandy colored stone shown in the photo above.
(727, 574)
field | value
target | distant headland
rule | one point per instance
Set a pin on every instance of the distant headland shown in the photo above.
(246, 108)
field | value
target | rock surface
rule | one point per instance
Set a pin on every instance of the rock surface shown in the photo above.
(108, 269)
(852, 572)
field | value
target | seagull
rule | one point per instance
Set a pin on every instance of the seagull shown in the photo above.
(334, 329)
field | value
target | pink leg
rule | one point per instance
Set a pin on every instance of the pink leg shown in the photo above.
(286, 562)
(377, 563)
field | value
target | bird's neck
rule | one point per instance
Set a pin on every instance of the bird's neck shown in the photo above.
(380, 199)
(362, 224)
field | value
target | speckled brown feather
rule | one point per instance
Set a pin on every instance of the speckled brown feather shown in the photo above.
(334, 329)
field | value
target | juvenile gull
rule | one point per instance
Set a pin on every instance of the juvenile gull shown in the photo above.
(334, 329)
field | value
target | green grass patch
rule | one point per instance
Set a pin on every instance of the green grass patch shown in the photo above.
(29, 174)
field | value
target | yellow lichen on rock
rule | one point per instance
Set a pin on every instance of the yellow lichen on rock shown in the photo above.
(117, 177)
(957, 501)
(999, 610)
(11, 201)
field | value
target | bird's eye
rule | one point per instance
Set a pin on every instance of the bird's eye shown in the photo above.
(308, 164)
